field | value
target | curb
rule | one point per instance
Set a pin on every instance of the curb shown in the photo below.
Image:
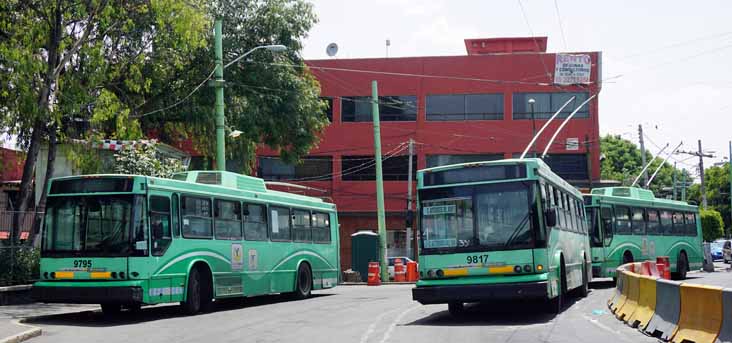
(23, 336)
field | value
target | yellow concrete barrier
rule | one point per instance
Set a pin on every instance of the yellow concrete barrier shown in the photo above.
(646, 302)
(700, 317)
(618, 289)
(623, 295)
(631, 303)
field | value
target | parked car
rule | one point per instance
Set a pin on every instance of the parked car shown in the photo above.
(727, 252)
(716, 250)
(391, 264)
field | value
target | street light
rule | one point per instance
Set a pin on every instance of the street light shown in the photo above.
(219, 87)
(533, 123)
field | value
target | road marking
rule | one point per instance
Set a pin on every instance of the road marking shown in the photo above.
(372, 327)
(607, 328)
(393, 324)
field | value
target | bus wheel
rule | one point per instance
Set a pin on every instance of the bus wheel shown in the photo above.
(456, 308)
(584, 290)
(555, 305)
(682, 266)
(627, 257)
(134, 307)
(192, 304)
(110, 309)
(304, 282)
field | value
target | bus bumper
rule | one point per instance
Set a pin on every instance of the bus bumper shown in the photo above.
(475, 293)
(87, 295)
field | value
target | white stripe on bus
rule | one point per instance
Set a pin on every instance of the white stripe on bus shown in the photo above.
(301, 253)
(622, 246)
(192, 254)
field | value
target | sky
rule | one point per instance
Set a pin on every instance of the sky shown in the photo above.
(665, 63)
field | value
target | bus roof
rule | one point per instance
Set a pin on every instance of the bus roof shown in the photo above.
(218, 183)
(536, 166)
(634, 194)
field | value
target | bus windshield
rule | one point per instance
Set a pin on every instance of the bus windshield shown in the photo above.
(485, 217)
(595, 234)
(106, 225)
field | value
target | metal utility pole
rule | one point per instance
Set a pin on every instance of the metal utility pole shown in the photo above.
(729, 165)
(410, 218)
(379, 182)
(643, 153)
(533, 123)
(683, 186)
(701, 156)
(674, 186)
(219, 86)
(589, 160)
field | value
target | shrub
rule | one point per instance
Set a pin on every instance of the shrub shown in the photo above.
(25, 266)
(712, 225)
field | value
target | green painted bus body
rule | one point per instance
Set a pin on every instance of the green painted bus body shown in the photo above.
(238, 267)
(610, 246)
(538, 265)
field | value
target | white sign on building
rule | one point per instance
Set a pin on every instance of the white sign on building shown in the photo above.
(572, 69)
(572, 144)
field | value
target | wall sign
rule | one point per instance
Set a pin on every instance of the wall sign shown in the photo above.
(572, 69)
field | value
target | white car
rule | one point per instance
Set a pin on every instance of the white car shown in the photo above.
(391, 264)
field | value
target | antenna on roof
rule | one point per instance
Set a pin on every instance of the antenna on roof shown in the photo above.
(544, 127)
(551, 141)
(388, 44)
(331, 49)
(647, 165)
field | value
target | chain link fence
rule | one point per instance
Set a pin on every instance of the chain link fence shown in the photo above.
(20, 258)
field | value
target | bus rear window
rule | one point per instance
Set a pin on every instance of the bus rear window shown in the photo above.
(92, 185)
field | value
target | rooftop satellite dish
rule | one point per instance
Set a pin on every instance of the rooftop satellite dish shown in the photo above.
(331, 49)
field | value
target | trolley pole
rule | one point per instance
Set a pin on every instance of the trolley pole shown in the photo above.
(379, 182)
(701, 175)
(219, 86)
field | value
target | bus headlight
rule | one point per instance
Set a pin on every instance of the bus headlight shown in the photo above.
(431, 273)
(440, 273)
(539, 267)
(53, 275)
(527, 268)
(517, 269)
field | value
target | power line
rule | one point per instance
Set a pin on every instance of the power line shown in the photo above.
(533, 36)
(181, 100)
(561, 27)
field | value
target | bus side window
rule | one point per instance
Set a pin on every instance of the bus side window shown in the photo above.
(279, 224)
(606, 217)
(573, 214)
(160, 224)
(175, 215)
(301, 227)
(653, 226)
(666, 226)
(321, 227)
(255, 222)
(227, 219)
(196, 214)
(639, 222)
(690, 224)
(622, 220)
(678, 224)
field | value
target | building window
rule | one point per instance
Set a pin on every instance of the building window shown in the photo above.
(465, 107)
(391, 108)
(548, 103)
(314, 168)
(329, 110)
(443, 160)
(362, 168)
(568, 166)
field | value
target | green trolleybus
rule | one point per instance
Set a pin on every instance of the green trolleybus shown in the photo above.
(508, 229)
(124, 241)
(629, 225)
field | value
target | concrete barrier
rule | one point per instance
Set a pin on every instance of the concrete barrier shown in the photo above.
(666, 316)
(618, 290)
(622, 277)
(646, 303)
(631, 303)
(725, 333)
(701, 314)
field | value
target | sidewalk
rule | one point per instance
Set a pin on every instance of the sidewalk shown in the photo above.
(12, 331)
(721, 277)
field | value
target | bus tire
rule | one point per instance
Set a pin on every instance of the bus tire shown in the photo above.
(556, 305)
(133, 307)
(682, 266)
(192, 304)
(303, 282)
(111, 309)
(627, 257)
(584, 289)
(456, 308)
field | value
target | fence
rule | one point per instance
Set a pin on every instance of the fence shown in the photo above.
(20, 259)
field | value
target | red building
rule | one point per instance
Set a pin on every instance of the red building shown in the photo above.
(455, 109)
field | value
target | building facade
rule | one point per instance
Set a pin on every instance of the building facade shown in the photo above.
(454, 109)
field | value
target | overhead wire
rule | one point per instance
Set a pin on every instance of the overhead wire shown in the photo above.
(561, 27)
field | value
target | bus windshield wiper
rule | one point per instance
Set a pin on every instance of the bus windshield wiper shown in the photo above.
(520, 226)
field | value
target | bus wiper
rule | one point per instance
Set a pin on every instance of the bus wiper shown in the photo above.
(517, 230)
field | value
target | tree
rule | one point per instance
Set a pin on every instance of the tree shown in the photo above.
(716, 184)
(143, 159)
(712, 225)
(64, 62)
(622, 162)
(271, 97)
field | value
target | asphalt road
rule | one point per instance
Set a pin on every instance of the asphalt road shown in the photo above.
(350, 314)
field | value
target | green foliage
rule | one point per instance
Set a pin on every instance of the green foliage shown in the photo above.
(716, 183)
(271, 97)
(712, 225)
(25, 266)
(623, 163)
(143, 159)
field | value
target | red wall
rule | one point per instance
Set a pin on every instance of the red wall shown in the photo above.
(11, 165)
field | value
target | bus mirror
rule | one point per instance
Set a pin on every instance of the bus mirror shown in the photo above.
(550, 217)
